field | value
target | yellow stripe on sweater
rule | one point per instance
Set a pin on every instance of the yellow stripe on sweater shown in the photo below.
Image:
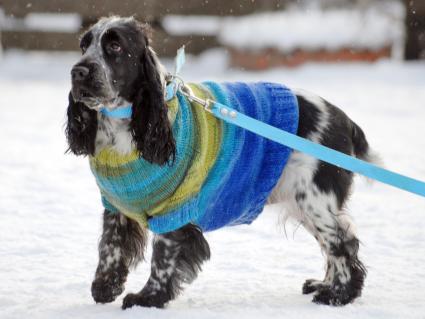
(109, 157)
(207, 147)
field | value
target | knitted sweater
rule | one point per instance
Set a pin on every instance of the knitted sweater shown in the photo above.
(222, 174)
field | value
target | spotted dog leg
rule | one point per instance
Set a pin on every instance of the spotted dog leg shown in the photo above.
(334, 231)
(122, 245)
(315, 198)
(176, 259)
(315, 193)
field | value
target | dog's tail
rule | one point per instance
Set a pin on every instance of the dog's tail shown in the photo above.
(362, 150)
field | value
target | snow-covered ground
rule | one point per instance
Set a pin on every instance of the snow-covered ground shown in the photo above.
(50, 211)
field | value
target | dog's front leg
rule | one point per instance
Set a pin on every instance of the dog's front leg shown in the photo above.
(176, 259)
(122, 245)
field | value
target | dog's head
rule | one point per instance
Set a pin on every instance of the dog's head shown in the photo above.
(118, 67)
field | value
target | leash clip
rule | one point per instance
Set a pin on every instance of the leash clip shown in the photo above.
(187, 91)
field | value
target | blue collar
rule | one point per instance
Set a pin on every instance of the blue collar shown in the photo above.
(118, 113)
(126, 111)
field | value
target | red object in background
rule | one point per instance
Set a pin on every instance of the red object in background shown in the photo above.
(268, 58)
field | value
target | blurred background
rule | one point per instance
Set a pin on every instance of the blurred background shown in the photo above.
(365, 56)
(256, 34)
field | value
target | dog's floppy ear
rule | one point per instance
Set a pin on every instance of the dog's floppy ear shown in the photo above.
(81, 128)
(150, 127)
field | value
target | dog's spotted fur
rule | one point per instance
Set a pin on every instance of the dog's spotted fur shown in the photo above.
(121, 246)
(177, 258)
(314, 193)
(122, 68)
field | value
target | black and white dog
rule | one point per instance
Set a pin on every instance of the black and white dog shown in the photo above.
(118, 67)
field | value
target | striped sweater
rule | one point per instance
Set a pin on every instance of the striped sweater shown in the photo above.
(222, 174)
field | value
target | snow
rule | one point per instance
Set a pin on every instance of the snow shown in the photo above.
(373, 27)
(65, 22)
(50, 216)
(57, 22)
(184, 25)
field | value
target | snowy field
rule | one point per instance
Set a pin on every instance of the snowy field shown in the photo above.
(50, 215)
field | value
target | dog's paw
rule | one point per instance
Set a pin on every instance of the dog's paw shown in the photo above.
(333, 295)
(106, 290)
(141, 299)
(312, 285)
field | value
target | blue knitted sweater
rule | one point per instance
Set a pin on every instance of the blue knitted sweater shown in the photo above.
(222, 174)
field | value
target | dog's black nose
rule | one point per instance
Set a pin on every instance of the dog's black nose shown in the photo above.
(79, 73)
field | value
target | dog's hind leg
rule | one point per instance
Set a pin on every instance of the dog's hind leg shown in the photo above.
(122, 245)
(316, 198)
(316, 193)
(345, 273)
(176, 260)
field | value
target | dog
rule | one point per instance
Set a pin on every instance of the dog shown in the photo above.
(118, 67)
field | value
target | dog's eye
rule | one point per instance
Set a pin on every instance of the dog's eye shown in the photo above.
(115, 46)
(83, 49)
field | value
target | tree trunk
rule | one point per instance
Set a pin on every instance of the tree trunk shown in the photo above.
(415, 29)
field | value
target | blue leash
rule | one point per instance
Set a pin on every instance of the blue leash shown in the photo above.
(318, 151)
(295, 142)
